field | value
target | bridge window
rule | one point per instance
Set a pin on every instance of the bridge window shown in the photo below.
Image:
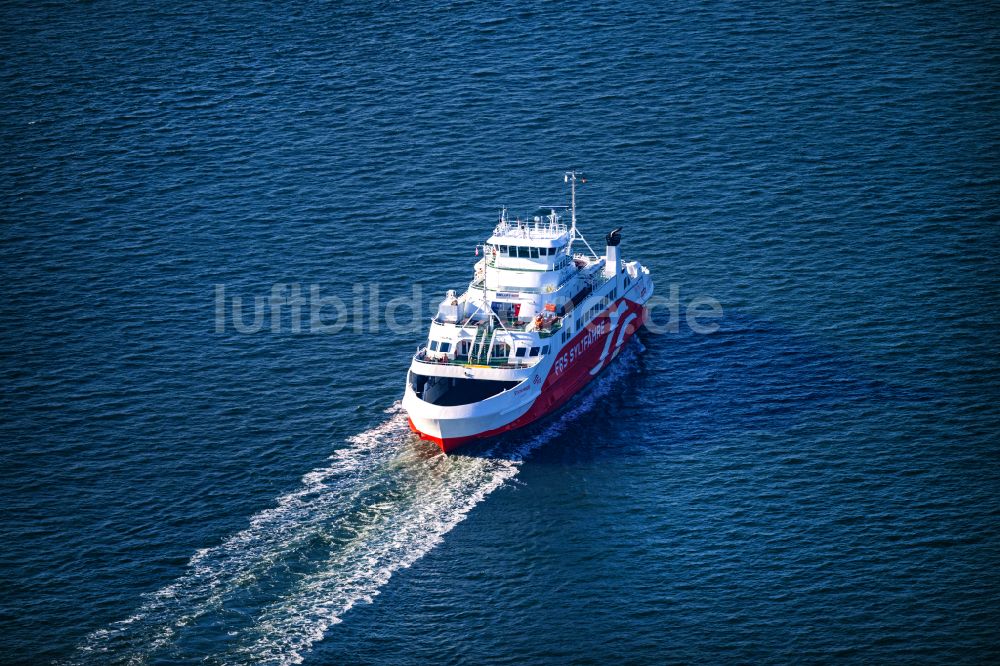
(434, 345)
(522, 252)
(534, 252)
(445, 347)
(545, 350)
(534, 351)
(520, 352)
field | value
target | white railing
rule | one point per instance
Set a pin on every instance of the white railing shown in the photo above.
(530, 230)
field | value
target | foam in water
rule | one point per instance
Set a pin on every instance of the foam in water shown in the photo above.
(378, 506)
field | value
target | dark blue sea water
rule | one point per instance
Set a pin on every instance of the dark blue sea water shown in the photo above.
(816, 481)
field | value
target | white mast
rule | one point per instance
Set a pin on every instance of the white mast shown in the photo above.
(570, 177)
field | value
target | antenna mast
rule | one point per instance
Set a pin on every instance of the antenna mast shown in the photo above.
(570, 177)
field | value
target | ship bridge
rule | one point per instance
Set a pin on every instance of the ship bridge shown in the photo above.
(527, 249)
(526, 284)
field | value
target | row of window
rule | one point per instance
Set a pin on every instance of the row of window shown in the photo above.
(597, 308)
(499, 350)
(520, 352)
(523, 252)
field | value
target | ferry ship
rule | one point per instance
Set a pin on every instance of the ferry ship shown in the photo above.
(538, 321)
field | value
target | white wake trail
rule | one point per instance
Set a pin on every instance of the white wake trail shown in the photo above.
(405, 531)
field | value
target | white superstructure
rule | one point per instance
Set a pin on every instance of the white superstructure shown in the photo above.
(492, 351)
